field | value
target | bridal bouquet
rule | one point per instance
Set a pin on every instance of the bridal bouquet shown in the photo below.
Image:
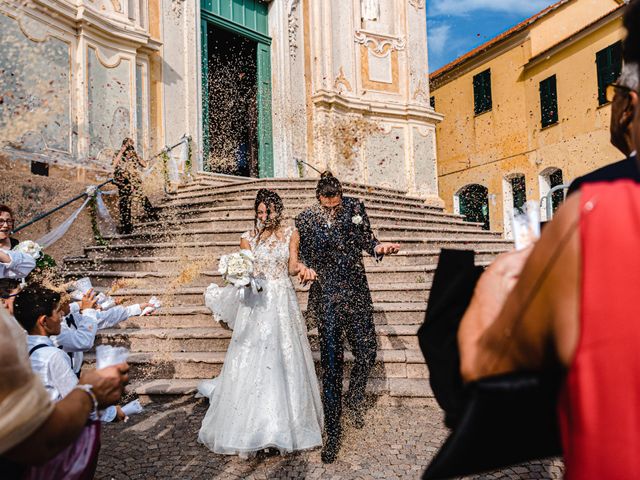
(237, 268)
(31, 248)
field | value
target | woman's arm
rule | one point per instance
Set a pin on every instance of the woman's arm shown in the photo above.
(63, 426)
(16, 264)
(118, 158)
(296, 267)
(140, 160)
(294, 251)
(524, 312)
(69, 416)
(244, 244)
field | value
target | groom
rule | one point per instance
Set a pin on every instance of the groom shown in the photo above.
(333, 235)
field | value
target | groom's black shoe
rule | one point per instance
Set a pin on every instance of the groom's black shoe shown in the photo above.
(330, 449)
(355, 414)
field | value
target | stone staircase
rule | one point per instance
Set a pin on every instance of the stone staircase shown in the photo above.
(176, 258)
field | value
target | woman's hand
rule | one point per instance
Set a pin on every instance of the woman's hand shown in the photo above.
(108, 383)
(306, 275)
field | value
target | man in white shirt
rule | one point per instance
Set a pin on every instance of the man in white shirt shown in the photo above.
(12, 264)
(37, 309)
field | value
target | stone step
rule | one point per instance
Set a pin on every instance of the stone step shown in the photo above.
(175, 263)
(288, 187)
(296, 199)
(392, 232)
(245, 221)
(199, 315)
(189, 365)
(203, 179)
(213, 338)
(194, 275)
(164, 247)
(387, 389)
(290, 212)
(381, 293)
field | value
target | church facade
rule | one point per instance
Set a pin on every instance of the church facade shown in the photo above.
(258, 86)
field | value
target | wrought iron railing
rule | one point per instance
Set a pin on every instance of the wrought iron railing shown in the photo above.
(548, 199)
(46, 214)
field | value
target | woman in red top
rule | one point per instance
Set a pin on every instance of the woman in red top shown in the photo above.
(573, 300)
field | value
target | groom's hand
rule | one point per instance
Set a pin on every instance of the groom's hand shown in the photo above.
(387, 248)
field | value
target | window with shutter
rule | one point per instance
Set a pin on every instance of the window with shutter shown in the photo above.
(482, 92)
(519, 192)
(609, 66)
(549, 101)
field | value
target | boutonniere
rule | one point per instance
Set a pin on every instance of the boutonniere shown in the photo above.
(356, 219)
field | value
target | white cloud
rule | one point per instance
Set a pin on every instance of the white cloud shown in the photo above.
(438, 37)
(465, 7)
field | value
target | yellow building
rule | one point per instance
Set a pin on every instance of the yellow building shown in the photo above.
(526, 111)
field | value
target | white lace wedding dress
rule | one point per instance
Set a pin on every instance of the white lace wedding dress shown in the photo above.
(267, 394)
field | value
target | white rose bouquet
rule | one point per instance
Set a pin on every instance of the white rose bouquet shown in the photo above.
(237, 268)
(29, 247)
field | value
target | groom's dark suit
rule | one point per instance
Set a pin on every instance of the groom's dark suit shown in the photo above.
(340, 299)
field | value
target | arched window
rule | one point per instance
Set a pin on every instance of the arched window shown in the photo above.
(549, 178)
(472, 201)
(514, 199)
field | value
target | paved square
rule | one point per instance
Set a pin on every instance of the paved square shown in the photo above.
(396, 443)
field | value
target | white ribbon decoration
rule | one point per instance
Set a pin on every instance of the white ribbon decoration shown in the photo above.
(57, 233)
(103, 216)
(108, 224)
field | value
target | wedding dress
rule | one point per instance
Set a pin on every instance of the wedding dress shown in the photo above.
(267, 393)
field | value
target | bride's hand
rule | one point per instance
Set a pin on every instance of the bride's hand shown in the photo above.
(306, 275)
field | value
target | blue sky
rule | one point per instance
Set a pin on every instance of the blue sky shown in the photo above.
(456, 26)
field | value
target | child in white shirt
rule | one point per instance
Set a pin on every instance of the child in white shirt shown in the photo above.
(37, 309)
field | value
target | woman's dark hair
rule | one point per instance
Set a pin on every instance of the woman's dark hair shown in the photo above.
(33, 302)
(274, 204)
(6, 208)
(328, 186)
(631, 21)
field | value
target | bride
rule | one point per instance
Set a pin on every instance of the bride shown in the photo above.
(267, 395)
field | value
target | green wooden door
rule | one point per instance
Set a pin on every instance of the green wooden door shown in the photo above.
(248, 18)
(265, 130)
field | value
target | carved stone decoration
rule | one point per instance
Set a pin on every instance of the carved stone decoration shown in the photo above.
(380, 45)
(370, 10)
(293, 25)
(421, 92)
(341, 80)
(116, 6)
(417, 4)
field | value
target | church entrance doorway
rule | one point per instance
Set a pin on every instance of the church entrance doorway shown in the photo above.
(236, 88)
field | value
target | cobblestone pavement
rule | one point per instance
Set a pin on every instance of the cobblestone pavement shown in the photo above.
(397, 442)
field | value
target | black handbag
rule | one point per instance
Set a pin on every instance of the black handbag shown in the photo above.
(498, 421)
(507, 419)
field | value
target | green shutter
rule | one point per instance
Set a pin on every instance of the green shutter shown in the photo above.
(609, 67)
(549, 101)
(265, 129)
(204, 53)
(519, 192)
(482, 101)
